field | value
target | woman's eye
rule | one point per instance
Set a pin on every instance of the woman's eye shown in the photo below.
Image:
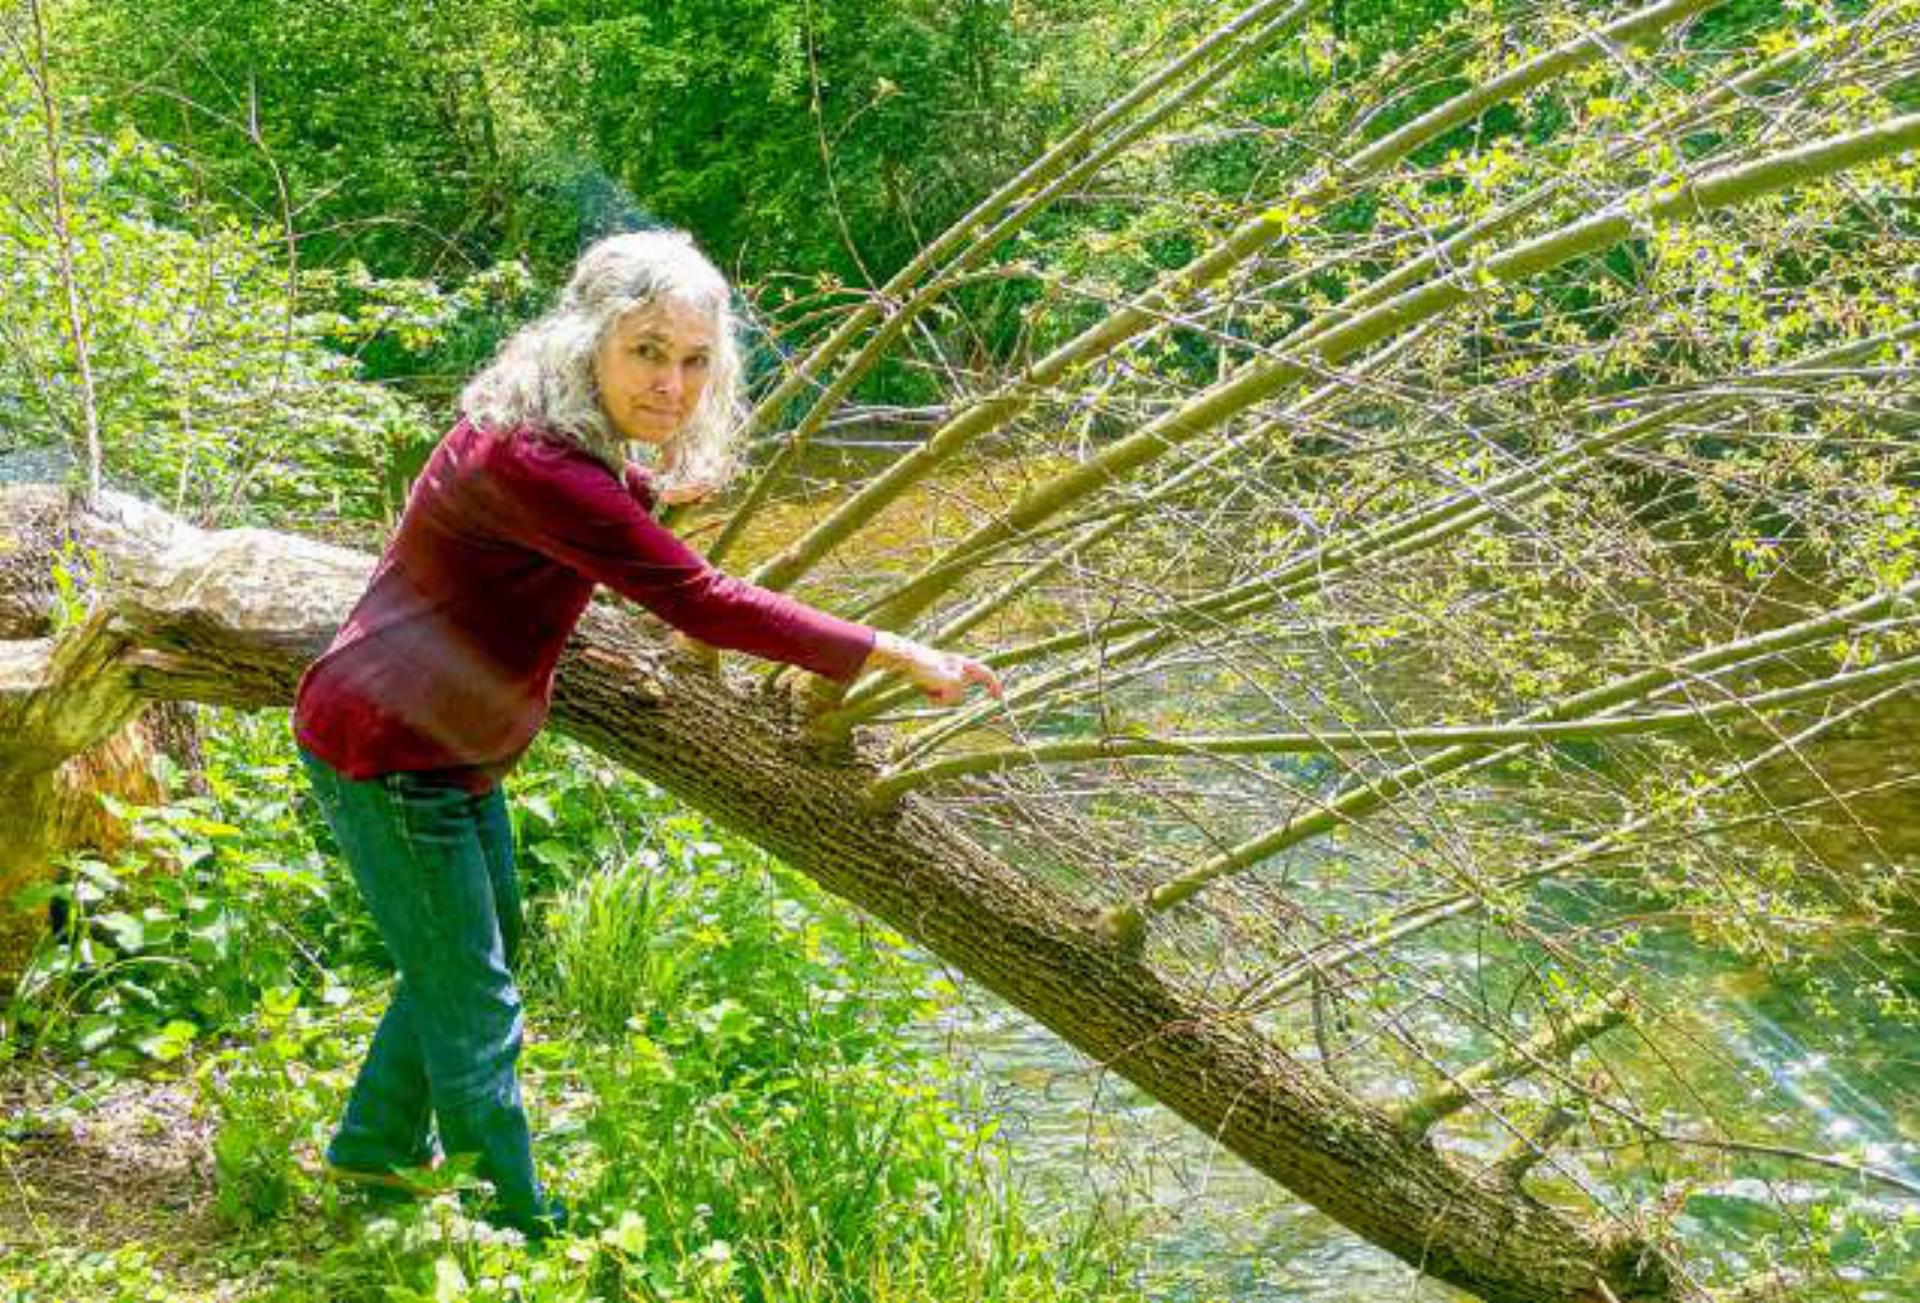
(699, 360)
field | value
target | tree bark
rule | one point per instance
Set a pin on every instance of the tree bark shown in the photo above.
(70, 730)
(233, 617)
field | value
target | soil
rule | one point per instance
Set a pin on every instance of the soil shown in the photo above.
(104, 1164)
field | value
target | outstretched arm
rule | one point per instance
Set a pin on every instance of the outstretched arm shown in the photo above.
(567, 507)
(943, 676)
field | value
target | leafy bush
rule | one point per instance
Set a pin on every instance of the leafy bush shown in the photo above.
(214, 386)
(215, 901)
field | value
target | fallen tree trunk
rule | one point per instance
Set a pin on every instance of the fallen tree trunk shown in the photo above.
(232, 617)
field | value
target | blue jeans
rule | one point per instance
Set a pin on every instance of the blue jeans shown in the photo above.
(435, 865)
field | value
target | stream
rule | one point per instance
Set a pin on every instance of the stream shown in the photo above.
(1817, 1052)
(1218, 1230)
(1810, 1056)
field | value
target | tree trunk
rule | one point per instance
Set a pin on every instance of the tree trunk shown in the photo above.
(52, 794)
(233, 617)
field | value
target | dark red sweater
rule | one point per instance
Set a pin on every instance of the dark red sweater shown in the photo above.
(446, 662)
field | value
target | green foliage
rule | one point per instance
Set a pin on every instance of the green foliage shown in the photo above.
(73, 580)
(523, 127)
(425, 333)
(836, 1178)
(214, 388)
(759, 1116)
(269, 1106)
(720, 1055)
(415, 170)
(716, 118)
(128, 1274)
(686, 922)
(215, 901)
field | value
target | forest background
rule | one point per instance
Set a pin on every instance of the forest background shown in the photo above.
(251, 251)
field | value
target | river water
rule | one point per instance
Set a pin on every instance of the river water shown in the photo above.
(1817, 1052)
(1820, 1055)
(1824, 1072)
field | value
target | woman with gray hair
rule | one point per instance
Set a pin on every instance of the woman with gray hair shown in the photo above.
(442, 674)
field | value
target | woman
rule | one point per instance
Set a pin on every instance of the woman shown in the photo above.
(441, 674)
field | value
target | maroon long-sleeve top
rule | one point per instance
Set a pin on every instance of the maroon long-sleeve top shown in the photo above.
(446, 662)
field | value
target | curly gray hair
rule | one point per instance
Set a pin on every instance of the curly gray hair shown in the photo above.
(544, 375)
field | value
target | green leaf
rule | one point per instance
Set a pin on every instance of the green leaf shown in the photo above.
(629, 1235)
(727, 1021)
(168, 1043)
(209, 827)
(449, 1282)
(38, 895)
(95, 1031)
(554, 852)
(128, 933)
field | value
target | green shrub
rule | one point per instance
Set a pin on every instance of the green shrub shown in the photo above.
(216, 900)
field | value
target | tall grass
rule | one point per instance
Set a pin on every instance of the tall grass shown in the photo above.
(720, 1071)
(761, 1112)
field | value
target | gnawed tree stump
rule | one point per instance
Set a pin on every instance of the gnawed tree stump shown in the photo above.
(71, 727)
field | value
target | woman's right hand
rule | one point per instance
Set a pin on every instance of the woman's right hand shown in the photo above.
(943, 676)
(680, 495)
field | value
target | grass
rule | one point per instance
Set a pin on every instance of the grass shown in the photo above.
(717, 1069)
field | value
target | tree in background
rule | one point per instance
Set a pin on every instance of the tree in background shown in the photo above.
(794, 135)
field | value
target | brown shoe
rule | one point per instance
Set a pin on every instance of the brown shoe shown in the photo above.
(387, 1179)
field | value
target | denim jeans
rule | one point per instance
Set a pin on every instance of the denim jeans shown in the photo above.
(435, 866)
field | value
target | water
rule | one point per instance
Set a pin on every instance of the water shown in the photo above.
(1811, 1050)
(1219, 1230)
(1805, 1049)
(1214, 1227)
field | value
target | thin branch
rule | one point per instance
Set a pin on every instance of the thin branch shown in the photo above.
(1418, 529)
(1127, 923)
(1668, 201)
(1422, 916)
(1322, 188)
(892, 787)
(1555, 1041)
(1053, 174)
(40, 72)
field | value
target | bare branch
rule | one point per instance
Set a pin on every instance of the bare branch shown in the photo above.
(1668, 202)
(1118, 327)
(1003, 213)
(1557, 1040)
(1389, 739)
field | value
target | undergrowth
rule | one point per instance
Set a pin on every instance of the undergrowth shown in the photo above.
(719, 1067)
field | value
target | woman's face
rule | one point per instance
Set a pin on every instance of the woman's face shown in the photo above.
(651, 368)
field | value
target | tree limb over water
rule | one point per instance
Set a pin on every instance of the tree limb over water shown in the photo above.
(232, 617)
